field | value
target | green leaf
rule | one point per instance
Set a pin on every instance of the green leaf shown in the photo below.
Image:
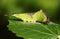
(35, 30)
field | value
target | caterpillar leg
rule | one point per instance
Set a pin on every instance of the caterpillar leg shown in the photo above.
(24, 21)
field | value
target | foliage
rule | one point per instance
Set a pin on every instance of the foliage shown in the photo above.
(34, 30)
(51, 7)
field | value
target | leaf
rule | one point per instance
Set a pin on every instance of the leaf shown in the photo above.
(35, 30)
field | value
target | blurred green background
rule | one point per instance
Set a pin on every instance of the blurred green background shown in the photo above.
(51, 7)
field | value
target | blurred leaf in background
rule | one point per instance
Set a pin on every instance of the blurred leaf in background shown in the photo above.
(51, 7)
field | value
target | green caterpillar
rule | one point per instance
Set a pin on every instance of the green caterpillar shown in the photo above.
(38, 16)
